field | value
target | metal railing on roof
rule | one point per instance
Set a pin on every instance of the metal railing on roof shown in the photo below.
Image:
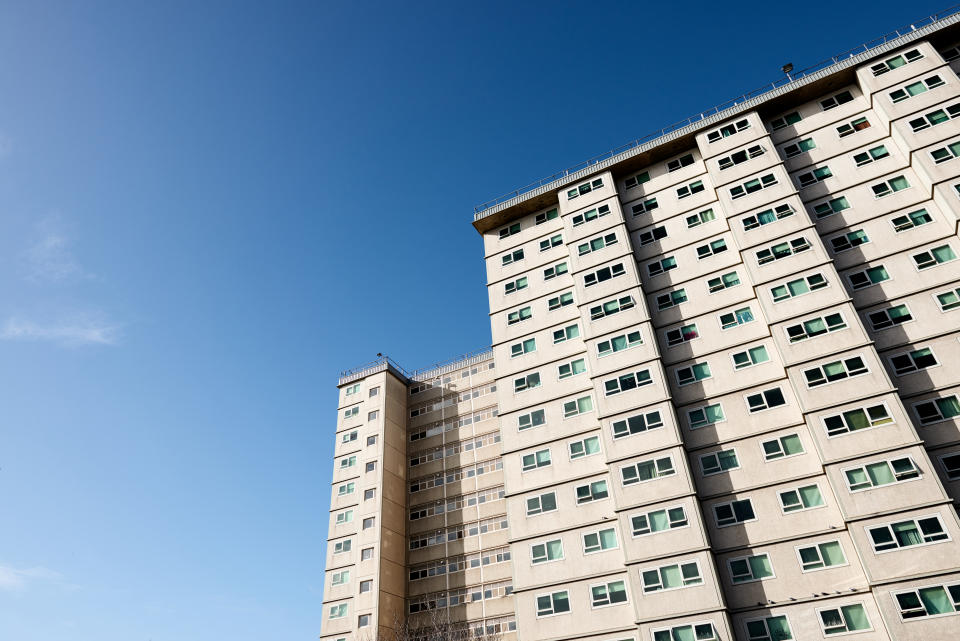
(430, 371)
(717, 109)
(378, 365)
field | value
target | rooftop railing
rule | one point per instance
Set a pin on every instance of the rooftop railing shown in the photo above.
(431, 371)
(793, 77)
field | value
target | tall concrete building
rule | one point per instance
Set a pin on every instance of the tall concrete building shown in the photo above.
(723, 396)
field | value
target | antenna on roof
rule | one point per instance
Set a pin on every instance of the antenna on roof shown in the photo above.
(787, 68)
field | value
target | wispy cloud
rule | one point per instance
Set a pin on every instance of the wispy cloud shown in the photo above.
(75, 331)
(50, 256)
(12, 579)
(6, 145)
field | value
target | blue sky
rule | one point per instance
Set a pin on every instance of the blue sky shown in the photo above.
(208, 209)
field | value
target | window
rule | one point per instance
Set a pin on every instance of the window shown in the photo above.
(585, 188)
(510, 231)
(711, 249)
(636, 424)
(526, 382)
(545, 216)
(349, 437)
(532, 419)
(706, 415)
(870, 155)
(902, 534)
(928, 601)
(728, 130)
(519, 315)
(688, 190)
(643, 471)
(769, 629)
(801, 498)
(369, 494)
(835, 371)
(915, 88)
(626, 382)
(582, 405)
(350, 461)
(822, 555)
(618, 343)
(888, 187)
(698, 631)
(671, 299)
(511, 257)
(949, 299)
(819, 174)
(860, 418)
(572, 368)
(550, 243)
(911, 220)
(679, 163)
(368, 523)
(914, 361)
(730, 279)
(847, 618)
(661, 266)
(591, 492)
(700, 218)
(547, 551)
(554, 603)
(835, 101)
(733, 512)
(342, 546)
(644, 207)
(562, 300)
(897, 61)
(599, 541)
(750, 568)
(370, 467)
(515, 285)
(523, 347)
(611, 307)
(680, 335)
(565, 334)
(652, 235)
(935, 118)
(739, 157)
(737, 317)
(950, 53)
(831, 207)
(535, 460)
(782, 447)
(366, 554)
(352, 389)
(785, 121)
(855, 125)
(557, 270)
(584, 447)
(767, 216)
(849, 241)
(693, 374)
(671, 577)
(543, 503)
(765, 400)
(753, 185)
(782, 250)
(604, 274)
(938, 409)
(880, 473)
(350, 413)
(340, 578)
(366, 586)
(815, 327)
(597, 244)
(868, 277)
(338, 611)
(639, 179)
(659, 521)
(799, 147)
(590, 214)
(716, 462)
(346, 488)
(934, 257)
(608, 594)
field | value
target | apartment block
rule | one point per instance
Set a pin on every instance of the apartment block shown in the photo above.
(723, 396)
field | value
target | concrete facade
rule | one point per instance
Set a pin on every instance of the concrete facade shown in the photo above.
(730, 362)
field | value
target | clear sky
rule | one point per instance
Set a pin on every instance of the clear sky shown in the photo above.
(208, 209)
